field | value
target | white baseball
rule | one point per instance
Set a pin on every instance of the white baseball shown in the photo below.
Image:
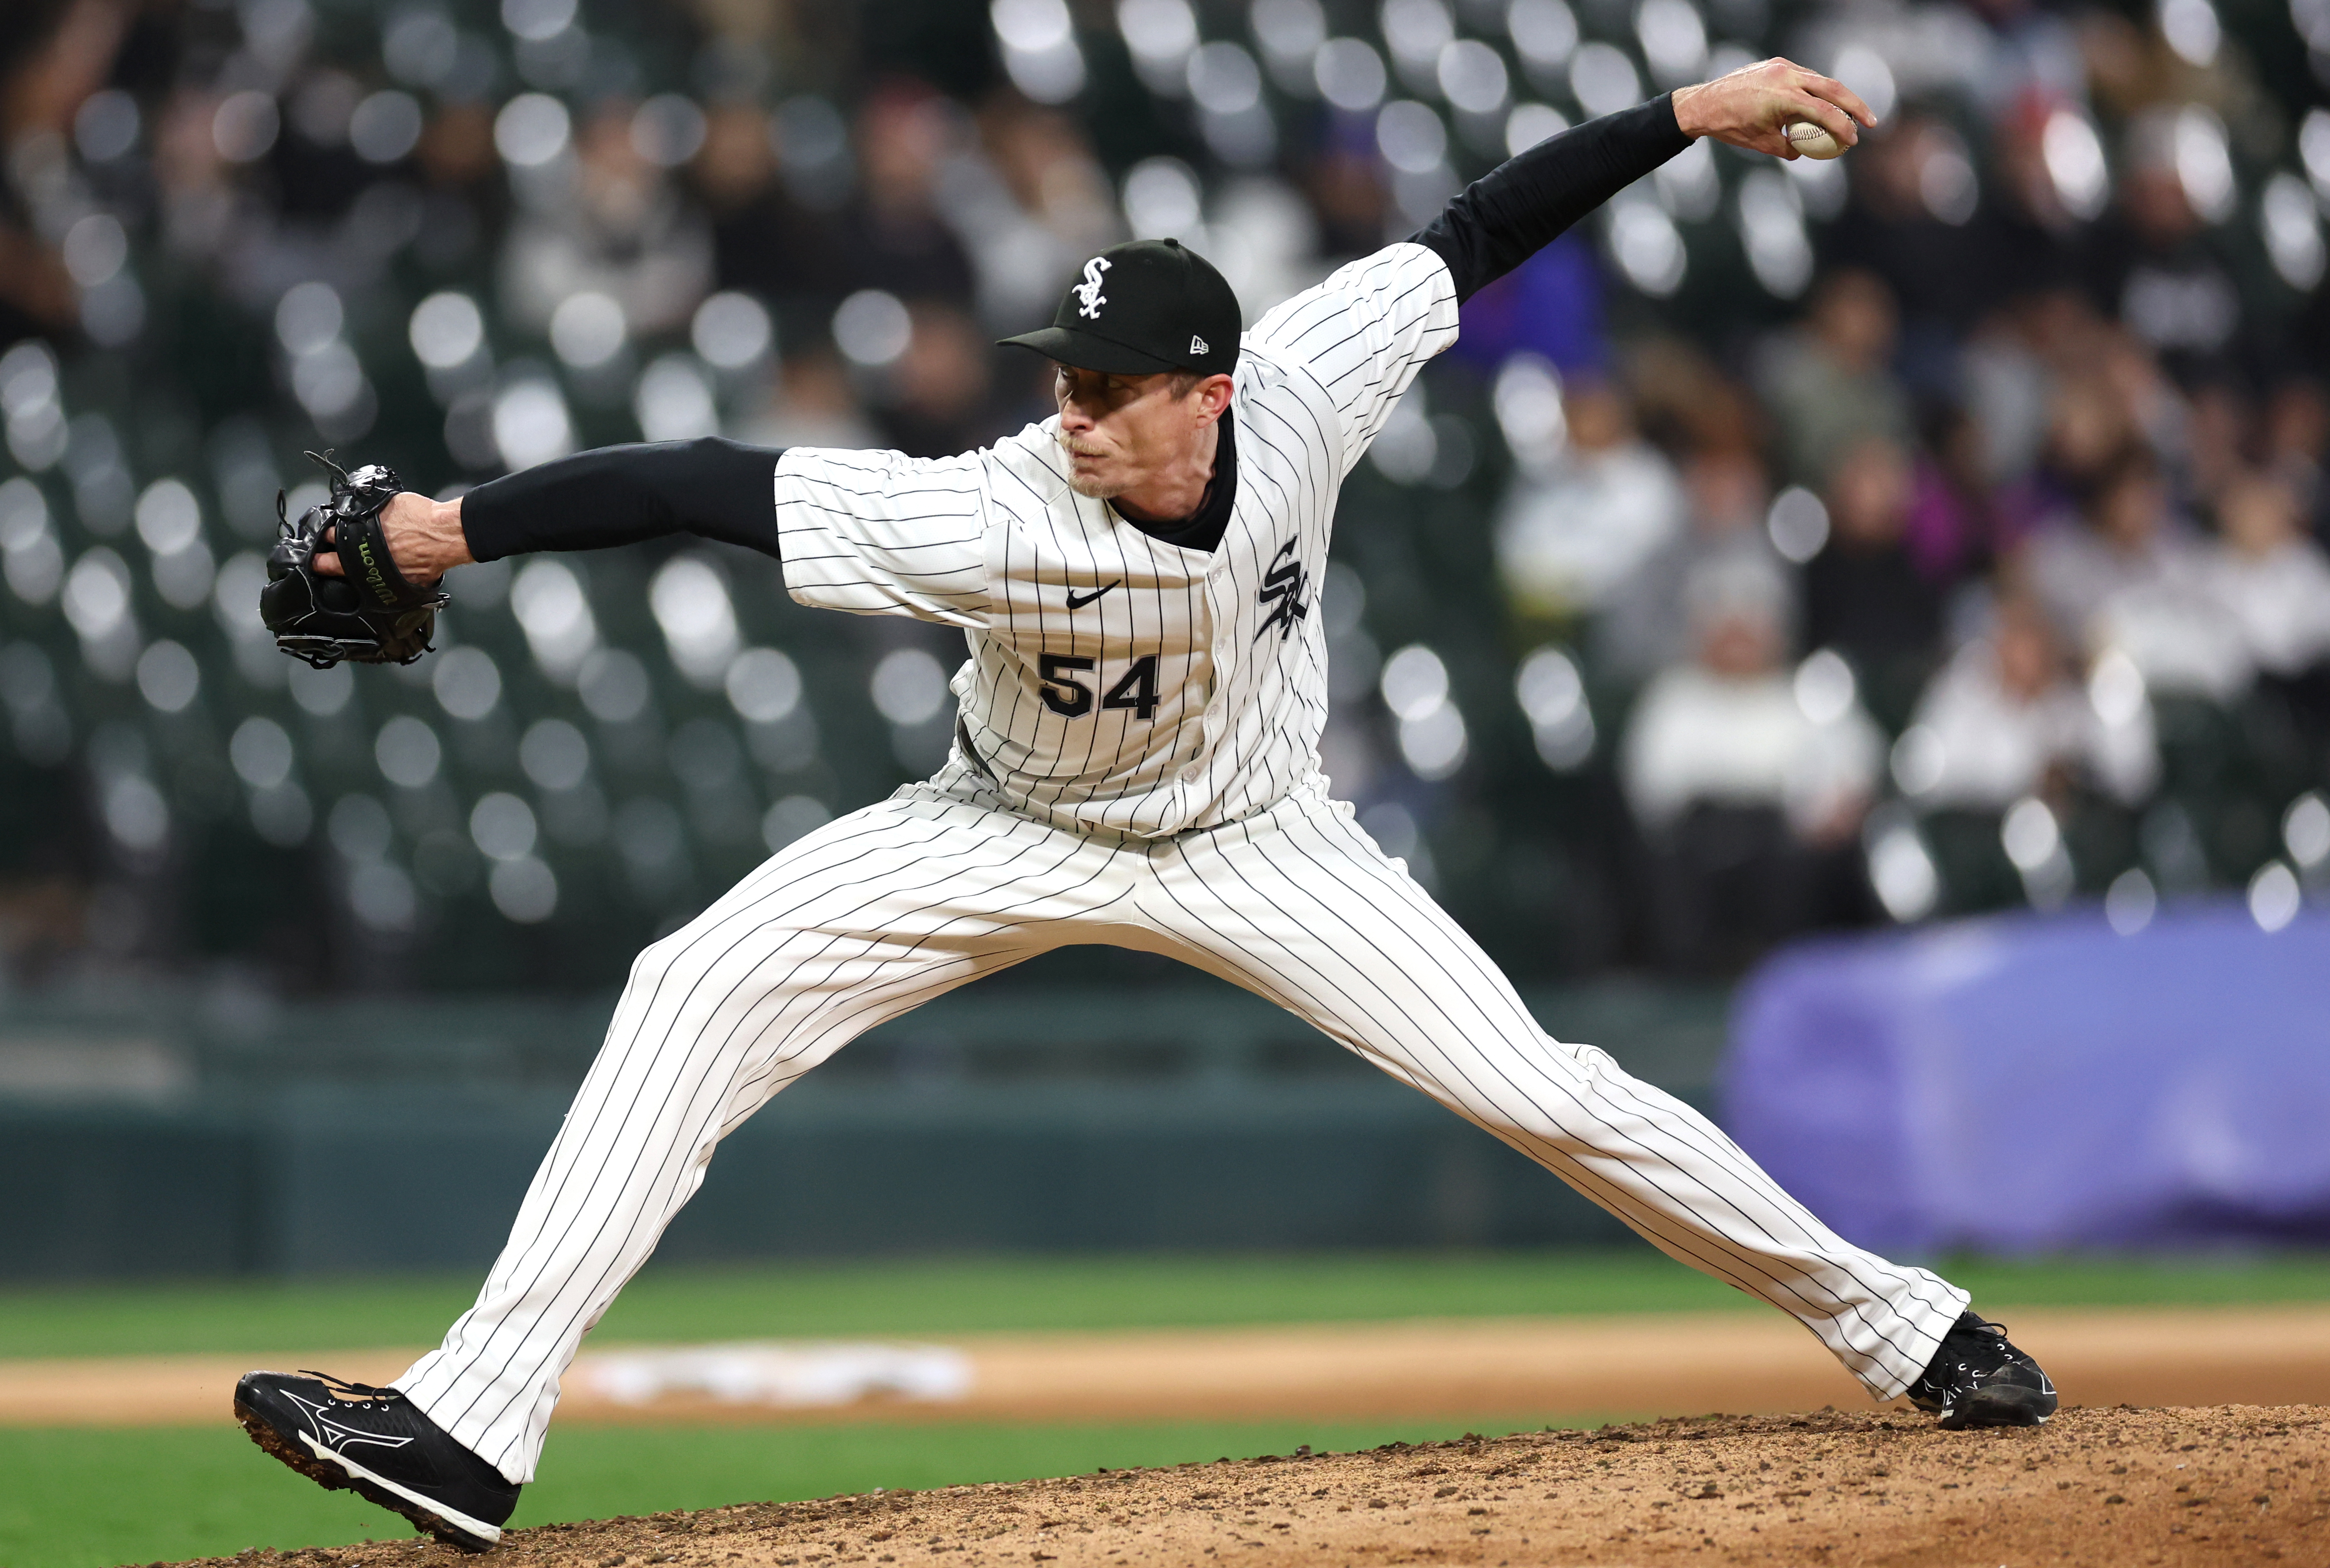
(1813, 140)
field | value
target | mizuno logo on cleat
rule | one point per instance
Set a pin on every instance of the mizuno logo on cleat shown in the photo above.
(329, 1434)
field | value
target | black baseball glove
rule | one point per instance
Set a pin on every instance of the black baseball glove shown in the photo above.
(370, 616)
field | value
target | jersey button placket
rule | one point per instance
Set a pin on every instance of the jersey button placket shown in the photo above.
(1220, 586)
(1218, 582)
(1209, 636)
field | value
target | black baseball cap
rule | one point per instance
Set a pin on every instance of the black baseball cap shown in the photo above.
(1143, 307)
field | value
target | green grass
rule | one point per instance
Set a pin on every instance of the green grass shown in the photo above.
(925, 1298)
(87, 1499)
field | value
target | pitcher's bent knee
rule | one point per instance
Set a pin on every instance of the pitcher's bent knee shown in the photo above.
(685, 955)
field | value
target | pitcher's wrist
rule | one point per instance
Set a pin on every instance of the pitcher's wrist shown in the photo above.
(1684, 101)
(455, 539)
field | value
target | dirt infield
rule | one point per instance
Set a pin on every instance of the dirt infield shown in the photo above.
(1443, 1369)
(2229, 1484)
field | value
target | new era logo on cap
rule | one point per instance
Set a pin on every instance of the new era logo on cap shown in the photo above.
(1164, 309)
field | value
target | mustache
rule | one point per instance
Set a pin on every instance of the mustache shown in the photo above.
(1084, 449)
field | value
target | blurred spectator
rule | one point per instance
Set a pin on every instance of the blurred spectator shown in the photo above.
(2086, 426)
(1346, 188)
(764, 240)
(1608, 502)
(1748, 785)
(2298, 442)
(2152, 262)
(1049, 163)
(892, 234)
(316, 172)
(1917, 224)
(2154, 405)
(738, 159)
(196, 199)
(2004, 719)
(1864, 594)
(1826, 382)
(463, 202)
(1684, 400)
(237, 231)
(2273, 579)
(50, 57)
(614, 225)
(810, 404)
(2031, 206)
(53, 56)
(2008, 369)
(2218, 420)
(2126, 576)
(36, 294)
(456, 146)
(940, 406)
(1029, 207)
(2032, 52)
(1952, 528)
(1643, 625)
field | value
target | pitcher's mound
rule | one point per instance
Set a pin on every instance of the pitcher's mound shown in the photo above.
(2229, 1484)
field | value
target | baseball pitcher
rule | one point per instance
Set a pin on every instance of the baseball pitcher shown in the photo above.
(1135, 763)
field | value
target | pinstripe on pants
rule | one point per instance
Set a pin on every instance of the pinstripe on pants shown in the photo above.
(891, 905)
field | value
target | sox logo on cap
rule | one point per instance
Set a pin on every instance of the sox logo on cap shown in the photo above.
(1088, 291)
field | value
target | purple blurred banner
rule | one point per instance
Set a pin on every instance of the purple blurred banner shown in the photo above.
(2027, 1081)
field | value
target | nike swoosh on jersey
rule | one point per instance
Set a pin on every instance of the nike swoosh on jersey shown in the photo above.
(1077, 603)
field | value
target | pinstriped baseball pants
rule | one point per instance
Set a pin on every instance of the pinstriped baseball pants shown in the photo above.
(887, 907)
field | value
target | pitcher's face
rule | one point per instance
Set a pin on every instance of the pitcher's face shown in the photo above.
(1120, 432)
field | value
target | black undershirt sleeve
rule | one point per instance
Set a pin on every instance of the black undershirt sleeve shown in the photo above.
(712, 487)
(1504, 217)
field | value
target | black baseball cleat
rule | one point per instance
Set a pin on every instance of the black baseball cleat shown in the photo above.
(1978, 1378)
(378, 1444)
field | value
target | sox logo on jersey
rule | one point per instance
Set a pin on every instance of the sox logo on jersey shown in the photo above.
(1282, 593)
(1136, 763)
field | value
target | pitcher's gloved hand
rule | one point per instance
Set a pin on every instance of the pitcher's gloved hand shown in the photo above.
(368, 612)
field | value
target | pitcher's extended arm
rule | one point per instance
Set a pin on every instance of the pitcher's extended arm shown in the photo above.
(711, 486)
(1506, 216)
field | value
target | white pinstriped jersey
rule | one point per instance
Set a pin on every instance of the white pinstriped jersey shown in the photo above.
(1116, 681)
(1180, 690)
